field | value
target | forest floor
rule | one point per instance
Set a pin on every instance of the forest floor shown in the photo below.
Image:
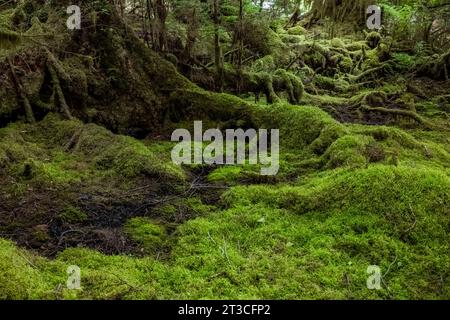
(364, 180)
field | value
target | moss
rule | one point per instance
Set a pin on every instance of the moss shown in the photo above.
(346, 64)
(188, 105)
(292, 84)
(266, 63)
(182, 209)
(20, 276)
(337, 43)
(146, 233)
(326, 230)
(62, 170)
(299, 126)
(406, 101)
(113, 277)
(373, 39)
(351, 195)
(72, 215)
(264, 82)
(277, 48)
(8, 38)
(347, 151)
(36, 27)
(297, 31)
(325, 82)
(102, 150)
(403, 113)
(435, 67)
(198, 207)
(316, 57)
(131, 158)
(225, 174)
(375, 152)
(19, 16)
(327, 137)
(327, 244)
(324, 100)
(291, 39)
(62, 153)
(356, 46)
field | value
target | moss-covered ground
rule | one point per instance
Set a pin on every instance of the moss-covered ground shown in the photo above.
(347, 197)
(87, 180)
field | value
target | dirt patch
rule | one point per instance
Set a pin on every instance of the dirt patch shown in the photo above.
(50, 220)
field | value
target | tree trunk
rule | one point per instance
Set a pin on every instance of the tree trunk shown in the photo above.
(240, 44)
(218, 60)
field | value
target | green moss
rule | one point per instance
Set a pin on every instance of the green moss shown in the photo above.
(406, 101)
(21, 278)
(337, 43)
(146, 233)
(58, 154)
(347, 151)
(277, 48)
(299, 126)
(62, 169)
(265, 63)
(198, 207)
(322, 233)
(182, 209)
(327, 136)
(114, 277)
(100, 150)
(346, 64)
(72, 215)
(227, 174)
(129, 158)
(321, 240)
(373, 39)
(351, 195)
(8, 38)
(297, 31)
(324, 100)
(325, 82)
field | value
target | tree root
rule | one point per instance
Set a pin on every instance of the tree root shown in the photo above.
(57, 65)
(404, 113)
(58, 91)
(23, 96)
(368, 73)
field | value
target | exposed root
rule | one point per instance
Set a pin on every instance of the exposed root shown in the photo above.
(404, 113)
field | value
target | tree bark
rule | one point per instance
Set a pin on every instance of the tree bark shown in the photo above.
(218, 59)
